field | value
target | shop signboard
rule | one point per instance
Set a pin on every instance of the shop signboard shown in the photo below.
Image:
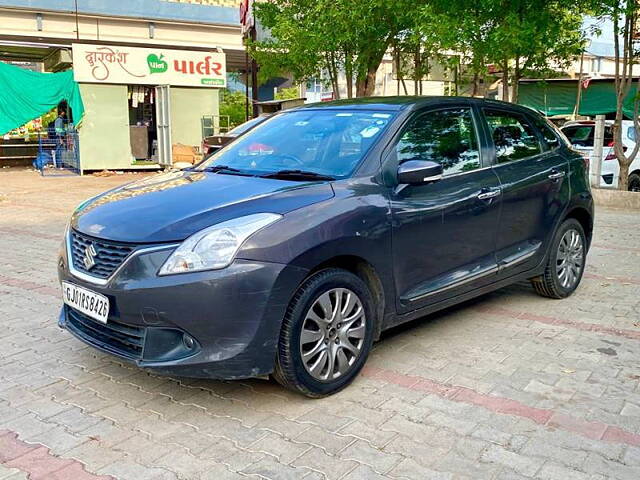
(148, 66)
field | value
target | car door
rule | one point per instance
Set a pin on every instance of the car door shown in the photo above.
(443, 232)
(535, 189)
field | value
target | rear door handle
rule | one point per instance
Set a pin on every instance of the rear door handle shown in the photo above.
(556, 175)
(489, 195)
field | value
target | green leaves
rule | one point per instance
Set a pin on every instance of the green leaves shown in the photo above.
(351, 37)
(328, 35)
(233, 104)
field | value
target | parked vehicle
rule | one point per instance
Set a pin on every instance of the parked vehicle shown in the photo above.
(581, 135)
(290, 250)
(213, 143)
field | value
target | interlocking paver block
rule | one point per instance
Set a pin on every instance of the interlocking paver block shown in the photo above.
(507, 386)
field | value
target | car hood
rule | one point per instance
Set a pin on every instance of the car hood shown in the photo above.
(172, 206)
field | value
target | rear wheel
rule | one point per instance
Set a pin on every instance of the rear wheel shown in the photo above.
(326, 335)
(565, 264)
(634, 182)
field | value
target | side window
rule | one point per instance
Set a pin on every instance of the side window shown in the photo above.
(581, 136)
(631, 134)
(513, 136)
(447, 137)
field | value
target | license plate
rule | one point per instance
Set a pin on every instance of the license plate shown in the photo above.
(90, 303)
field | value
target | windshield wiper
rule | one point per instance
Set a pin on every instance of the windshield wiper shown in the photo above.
(226, 169)
(297, 175)
(218, 168)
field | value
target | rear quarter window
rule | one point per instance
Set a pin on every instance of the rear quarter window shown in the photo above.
(550, 136)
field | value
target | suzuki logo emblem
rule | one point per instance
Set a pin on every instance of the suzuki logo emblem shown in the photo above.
(89, 257)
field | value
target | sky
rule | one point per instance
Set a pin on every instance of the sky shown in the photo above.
(602, 44)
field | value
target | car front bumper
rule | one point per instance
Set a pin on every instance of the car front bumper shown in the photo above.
(220, 324)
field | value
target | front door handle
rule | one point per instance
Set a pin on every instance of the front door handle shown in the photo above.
(554, 175)
(489, 195)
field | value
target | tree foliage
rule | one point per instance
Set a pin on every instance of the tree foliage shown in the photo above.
(330, 35)
(288, 93)
(517, 37)
(350, 38)
(233, 104)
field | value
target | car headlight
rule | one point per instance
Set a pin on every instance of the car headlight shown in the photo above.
(215, 247)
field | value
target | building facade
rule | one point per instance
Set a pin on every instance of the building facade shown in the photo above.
(149, 70)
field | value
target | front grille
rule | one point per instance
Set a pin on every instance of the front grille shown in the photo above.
(109, 255)
(114, 337)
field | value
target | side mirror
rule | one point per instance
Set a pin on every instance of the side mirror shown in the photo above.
(419, 172)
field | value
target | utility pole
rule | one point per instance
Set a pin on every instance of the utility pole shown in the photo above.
(254, 72)
(246, 85)
(248, 23)
(77, 23)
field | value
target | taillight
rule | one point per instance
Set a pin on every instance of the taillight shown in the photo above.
(612, 155)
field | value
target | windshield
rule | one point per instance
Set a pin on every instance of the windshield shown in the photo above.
(325, 142)
(243, 127)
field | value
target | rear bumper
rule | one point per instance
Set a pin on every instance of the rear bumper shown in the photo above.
(217, 324)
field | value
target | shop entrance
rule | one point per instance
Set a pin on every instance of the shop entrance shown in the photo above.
(142, 124)
(149, 127)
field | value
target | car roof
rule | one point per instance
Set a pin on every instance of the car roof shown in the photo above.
(407, 102)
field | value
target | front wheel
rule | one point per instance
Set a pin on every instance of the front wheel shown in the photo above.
(566, 261)
(326, 334)
(634, 182)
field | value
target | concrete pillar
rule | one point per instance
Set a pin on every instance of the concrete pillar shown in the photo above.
(595, 167)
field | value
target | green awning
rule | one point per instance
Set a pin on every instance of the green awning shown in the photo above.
(26, 95)
(559, 97)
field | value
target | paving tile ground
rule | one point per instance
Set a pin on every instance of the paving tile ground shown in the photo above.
(508, 386)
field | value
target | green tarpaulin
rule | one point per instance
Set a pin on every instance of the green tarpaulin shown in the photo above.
(25, 95)
(559, 97)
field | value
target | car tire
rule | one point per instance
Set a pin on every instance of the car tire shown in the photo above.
(634, 182)
(565, 263)
(326, 334)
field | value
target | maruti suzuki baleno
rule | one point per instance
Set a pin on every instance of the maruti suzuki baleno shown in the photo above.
(291, 249)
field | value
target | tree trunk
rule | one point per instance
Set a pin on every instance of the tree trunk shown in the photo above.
(474, 91)
(623, 82)
(455, 80)
(505, 81)
(404, 86)
(416, 71)
(348, 71)
(333, 73)
(397, 59)
(623, 176)
(365, 86)
(516, 81)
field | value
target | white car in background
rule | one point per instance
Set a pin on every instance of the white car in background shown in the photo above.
(581, 135)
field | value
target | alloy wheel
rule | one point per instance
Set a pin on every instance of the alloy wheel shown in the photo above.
(634, 186)
(333, 334)
(570, 258)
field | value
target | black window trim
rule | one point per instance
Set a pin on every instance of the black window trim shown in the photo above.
(484, 159)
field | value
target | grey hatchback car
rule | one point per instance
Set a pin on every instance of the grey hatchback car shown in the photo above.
(291, 249)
